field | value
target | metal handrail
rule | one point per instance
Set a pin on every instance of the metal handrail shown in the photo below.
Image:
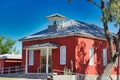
(12, 69)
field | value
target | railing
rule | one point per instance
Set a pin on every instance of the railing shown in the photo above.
(13, 69)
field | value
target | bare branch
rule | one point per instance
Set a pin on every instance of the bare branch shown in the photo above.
(95, 3)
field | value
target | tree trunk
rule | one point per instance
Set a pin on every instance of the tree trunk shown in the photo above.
(116, 40)
(109, 67)
(107, 71)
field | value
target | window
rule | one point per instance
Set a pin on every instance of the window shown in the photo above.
(91, 56)
(104, 57)
(116, 62)
(63, 55)
(31, 57)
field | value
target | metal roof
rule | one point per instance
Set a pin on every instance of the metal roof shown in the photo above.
(71, 27)
(56, 17)
(10, 56)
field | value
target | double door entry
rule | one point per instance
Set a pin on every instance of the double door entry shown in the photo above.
(45, 64)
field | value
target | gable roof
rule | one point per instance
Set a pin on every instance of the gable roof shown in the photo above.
(71, 27)
(56, 17)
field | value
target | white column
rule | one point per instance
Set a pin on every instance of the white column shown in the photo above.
(47, 52)
(26, 64)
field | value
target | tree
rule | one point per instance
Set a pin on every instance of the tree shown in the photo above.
(6, 45)
(113, 10)
(110, 13)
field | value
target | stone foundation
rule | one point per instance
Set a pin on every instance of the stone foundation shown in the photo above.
(86, 77)
(94, 77)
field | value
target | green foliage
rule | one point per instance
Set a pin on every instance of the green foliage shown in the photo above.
(113, 12)
(6, 45)
(69, 1)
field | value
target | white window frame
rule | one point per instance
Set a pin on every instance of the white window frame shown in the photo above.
(91, 56)
(31, 57)
(104, 57)
(62, 55)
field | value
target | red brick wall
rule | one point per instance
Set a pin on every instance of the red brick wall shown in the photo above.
(82, 56)
(33, 68)
(77, 50)
(62, 41)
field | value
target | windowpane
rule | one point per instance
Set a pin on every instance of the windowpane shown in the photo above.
(104, 57)
(63, 55)
(91, 56)
(31, 57)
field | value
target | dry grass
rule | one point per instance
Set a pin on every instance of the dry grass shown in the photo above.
(1, 78)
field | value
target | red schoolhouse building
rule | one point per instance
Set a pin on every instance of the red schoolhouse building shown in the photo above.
(73, 43)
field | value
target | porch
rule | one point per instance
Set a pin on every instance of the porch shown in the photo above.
(45, 65)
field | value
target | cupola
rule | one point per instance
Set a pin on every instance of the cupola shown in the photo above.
(54, 21)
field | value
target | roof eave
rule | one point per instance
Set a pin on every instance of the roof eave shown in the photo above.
(87, 36)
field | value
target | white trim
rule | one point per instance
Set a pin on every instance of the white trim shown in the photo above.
(26, 64)
(47, 49)
(38, 48)
(86, 36)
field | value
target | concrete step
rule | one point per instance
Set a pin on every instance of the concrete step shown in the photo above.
(10, 75)
(34, 76)
(30, 76)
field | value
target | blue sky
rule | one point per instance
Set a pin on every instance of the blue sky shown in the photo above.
(20, 18)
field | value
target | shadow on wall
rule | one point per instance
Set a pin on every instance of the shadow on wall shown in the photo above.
(82, 56)
(81, 63)
(98, 53)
